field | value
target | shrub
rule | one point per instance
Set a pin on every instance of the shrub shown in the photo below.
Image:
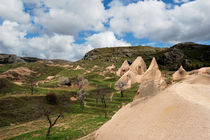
(51, 98)
(64, 81)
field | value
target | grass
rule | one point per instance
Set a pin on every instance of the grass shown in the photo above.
(6, 67)
(18, 110)
(8, 87)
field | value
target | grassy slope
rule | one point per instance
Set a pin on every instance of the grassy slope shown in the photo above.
(23, 108)
(77, 123)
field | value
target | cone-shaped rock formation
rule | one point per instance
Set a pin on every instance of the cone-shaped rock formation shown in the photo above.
(153, 74)
(123, 69)
(180, 74)
(138, 66)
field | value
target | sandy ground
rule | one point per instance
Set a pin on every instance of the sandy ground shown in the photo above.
(180, 112)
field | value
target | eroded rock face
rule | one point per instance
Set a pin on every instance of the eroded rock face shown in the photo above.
(180, 112)
(130, 78)
(146, 90)
(123, 69)
(17, 74)
(9, 59)
(138, 66)
(180, 74)
(153, 74)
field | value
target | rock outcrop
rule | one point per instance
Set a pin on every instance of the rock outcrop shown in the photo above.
(110, 68)
(123, 69)
(10, 59)
(130, 78)
(180, 112)
(204, 70)
(17, 74)
(180, 74)
(138, 66)
(153, 74)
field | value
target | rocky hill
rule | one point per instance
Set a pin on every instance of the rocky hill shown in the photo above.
(13, 59)
(190, 55)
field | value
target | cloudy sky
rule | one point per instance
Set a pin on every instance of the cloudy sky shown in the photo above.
(67, 29)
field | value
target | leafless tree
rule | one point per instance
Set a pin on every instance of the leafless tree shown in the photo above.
(121, 86)
(31, 82)
(101, 94)
(51, 123)
(47, 109)
(81, 96)
(81, 82)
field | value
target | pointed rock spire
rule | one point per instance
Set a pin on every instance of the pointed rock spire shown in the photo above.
(153, 74)
(180, 74)
(138, 66)
(123, 69)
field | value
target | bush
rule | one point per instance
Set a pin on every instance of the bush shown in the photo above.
(64, 81)
(51, 98)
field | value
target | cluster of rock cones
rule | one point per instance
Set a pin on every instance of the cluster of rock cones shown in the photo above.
(179, 112)
(137, 72)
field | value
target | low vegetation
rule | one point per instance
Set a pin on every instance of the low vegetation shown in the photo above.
(85, 97)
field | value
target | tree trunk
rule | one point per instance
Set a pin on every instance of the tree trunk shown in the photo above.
(32, 89)
(121, 93)
(48, 132)
(104, 103)
(82, 104)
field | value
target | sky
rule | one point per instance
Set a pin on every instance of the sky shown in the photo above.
(67, 29)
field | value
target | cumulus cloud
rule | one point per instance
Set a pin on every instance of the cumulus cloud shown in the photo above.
(152, 19)
(13, 10)
(105, 39)
(59, 23)
(71, 17)
(10, 37)
(51, 47)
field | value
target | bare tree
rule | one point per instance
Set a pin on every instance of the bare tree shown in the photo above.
(81, 96)
(51, 123)
(81, 82)
(31, 82)
(50, 108)
(102, 93)
(121, 86)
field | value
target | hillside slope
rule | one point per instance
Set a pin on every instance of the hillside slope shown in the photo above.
(178, 113)
(190, 55)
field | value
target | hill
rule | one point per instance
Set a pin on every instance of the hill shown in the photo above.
(20, 116)
(190, 55)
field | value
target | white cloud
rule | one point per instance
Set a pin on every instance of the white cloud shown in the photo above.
(105, 39)
(153, 19)
(71, 17)
(13, 10)
(181, 1)
(10, 37)
(51, 47)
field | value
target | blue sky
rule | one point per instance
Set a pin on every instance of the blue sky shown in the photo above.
(68, 29)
